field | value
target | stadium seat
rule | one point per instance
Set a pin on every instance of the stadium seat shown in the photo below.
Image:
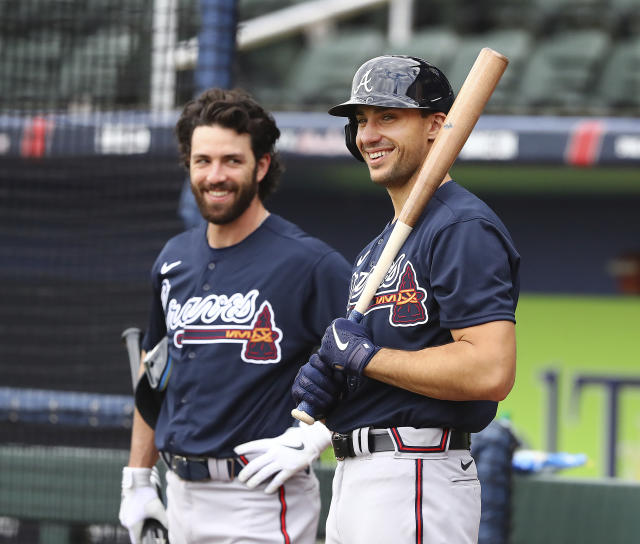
(510, 14)
(561, 71)
(90, 74)
(626, 14)
(262, 70)
(248, 9)
(515, 44)
(549, 16)
(322, 74)
(436, 45)
(619, 83)
(28, 64)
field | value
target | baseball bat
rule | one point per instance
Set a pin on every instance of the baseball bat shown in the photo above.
(152, 530)
(131, 339)
(465, 111)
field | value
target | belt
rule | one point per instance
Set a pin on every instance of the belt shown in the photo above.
(343, 444)
(196, 469)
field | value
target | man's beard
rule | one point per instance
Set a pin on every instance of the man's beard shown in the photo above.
(230, 212)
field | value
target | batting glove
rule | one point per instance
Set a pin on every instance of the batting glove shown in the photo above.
(140, 501)
(347, 346)
(318, 384)
(281, 457)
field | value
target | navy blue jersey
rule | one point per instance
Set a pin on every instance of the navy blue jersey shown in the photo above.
(240, 322)
(457, 268)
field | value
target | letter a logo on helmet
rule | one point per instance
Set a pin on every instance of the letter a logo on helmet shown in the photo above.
(364, 81)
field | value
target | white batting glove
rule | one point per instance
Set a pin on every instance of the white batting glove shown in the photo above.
(140, 501)
(282, 456)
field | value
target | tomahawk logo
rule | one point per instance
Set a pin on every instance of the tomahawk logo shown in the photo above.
(366, 82)
(406, 301)
(260, 340)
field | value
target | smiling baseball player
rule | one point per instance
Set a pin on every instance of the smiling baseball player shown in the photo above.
(238, 305)
(435, 350)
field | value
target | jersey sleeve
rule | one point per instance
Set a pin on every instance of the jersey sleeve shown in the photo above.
(474, 274)
(329, 291)
(156, 325)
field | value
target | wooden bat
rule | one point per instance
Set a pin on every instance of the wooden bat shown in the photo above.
(152, 529)
(462, 117)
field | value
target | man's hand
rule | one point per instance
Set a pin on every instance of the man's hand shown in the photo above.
(282, 456)
(140, 501)
(347, 346)
(318, 384)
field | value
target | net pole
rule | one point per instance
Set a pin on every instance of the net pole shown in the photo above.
(163, 70)
(216, 45)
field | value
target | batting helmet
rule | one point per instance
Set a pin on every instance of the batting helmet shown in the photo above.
(394, 81)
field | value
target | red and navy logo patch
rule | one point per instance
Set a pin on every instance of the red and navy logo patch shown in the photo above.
(406, 301)
(261, 340)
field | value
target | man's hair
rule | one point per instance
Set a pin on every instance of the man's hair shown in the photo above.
(237, 110)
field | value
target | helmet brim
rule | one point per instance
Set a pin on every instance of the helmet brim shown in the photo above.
(347, 109)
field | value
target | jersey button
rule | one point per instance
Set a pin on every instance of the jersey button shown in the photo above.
(206, 287)
(192, 355)
(211, 266)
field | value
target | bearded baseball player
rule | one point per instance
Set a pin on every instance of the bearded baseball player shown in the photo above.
(238, 305)
(435, 351)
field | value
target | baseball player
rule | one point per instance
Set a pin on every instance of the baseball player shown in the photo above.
(435, 350)
(238, 305)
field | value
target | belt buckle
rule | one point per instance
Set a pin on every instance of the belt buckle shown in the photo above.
(178, 461)
(190, 468)
(340, 443)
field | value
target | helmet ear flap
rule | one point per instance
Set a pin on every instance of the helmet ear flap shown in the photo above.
(350, 131)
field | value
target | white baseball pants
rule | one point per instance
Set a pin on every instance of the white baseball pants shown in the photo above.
(385, 498)
(227, 512)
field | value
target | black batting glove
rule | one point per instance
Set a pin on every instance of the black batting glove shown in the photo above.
(318, 384)
(347, 346)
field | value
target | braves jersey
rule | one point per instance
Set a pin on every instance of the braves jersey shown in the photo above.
(458, 268)
(240, 321)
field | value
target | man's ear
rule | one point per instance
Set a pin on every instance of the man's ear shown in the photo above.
(436, 121)
(262, 167)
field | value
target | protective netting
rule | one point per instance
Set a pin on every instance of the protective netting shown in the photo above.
(89, 192)
(87, 54)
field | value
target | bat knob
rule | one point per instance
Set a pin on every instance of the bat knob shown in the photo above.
(302, 413)
(131, 331)
(355, 316)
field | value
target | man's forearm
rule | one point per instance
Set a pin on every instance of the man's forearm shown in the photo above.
(143, 450)
(478, 365)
